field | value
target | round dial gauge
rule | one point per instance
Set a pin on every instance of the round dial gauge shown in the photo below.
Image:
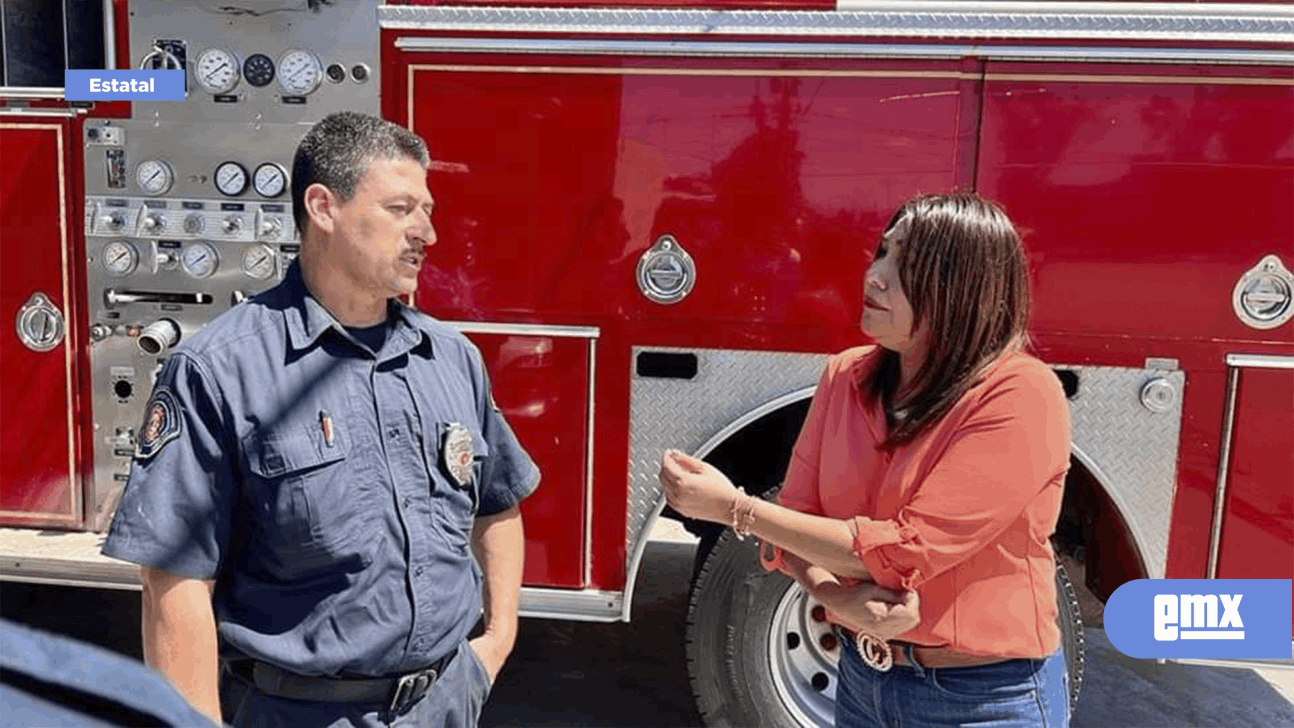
(217, 70)
(258, 262)
(299, 72)
(120, 257)
(154, 176)
(270, 180)
(231, 178)
(199, 260)
(258, 69)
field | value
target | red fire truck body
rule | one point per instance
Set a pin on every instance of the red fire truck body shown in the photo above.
(654, 221)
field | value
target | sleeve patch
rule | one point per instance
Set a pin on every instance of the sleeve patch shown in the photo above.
(161, 424)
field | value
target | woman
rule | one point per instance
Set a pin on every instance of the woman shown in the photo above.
(933, 462)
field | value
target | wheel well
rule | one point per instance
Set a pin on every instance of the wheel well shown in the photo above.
(1093, 532)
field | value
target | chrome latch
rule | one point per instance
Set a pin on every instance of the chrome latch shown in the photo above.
(666, 272)
(1263, 296)
(40, 324)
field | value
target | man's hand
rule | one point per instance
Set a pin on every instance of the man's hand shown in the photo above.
(493, 652)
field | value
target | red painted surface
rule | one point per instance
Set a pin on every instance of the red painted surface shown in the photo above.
(1258, 531)
(541, 385)
(1142, 204)
(549, 187)
(34, 450)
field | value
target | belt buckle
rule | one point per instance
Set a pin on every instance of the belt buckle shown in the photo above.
(409, 688)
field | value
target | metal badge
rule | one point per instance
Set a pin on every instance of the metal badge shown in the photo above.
(456, 450)
(666, 272)
(161, 423)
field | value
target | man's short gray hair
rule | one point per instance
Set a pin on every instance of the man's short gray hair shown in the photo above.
(337, 151)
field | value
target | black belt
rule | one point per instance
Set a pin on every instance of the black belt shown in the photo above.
(399, 692)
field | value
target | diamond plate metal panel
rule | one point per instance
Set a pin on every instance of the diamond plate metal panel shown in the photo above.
(683, 414)
(1109, 21)
(1131, 449)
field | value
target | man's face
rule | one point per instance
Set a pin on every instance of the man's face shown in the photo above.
(379, 235)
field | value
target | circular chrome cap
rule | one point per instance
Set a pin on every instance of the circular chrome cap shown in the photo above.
(1158, 395)
(666, 272)
(1264, 296)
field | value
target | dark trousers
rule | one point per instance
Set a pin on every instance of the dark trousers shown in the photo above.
(454, 701)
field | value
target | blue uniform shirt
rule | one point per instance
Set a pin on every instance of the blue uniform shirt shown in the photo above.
(329, 492)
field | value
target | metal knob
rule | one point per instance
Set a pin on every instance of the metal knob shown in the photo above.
(232, 224)
(99, 332)
(153, 223)
(271, 227)
(159, 336)
(114, 220)
(193, 224)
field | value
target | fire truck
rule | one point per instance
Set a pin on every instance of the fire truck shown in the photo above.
(654, 221)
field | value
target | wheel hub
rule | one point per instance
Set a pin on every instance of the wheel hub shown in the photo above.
(803, 652)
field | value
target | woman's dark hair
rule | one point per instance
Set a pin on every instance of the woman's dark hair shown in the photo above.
(964, 272)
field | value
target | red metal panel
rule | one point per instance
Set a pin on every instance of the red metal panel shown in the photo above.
(1143, 198)
(551, 185)
(541, 384)
(36, 423)
(1258, 526)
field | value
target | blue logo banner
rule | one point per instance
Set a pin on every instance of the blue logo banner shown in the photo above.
(1201, 618)
(153, 85)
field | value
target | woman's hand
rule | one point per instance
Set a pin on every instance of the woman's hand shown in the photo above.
(696, 488)
(869, 607)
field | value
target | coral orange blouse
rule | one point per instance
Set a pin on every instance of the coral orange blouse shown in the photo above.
(962, 514)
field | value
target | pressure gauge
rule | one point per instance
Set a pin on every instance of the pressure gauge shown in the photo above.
(120, 257)
(217, 70)
(299, 72)
(258, 69)
(199, 260)
(258, 262)
(270, 180)
(154, 176)
(231, 178)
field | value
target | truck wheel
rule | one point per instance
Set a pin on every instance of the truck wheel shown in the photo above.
(1072, 641)
(761, 653)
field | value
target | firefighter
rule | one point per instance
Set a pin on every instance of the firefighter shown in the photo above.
(324, 495)
(933, 462)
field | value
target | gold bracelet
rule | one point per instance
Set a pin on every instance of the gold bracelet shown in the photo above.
(732, 514)
(747, 520)
(875, 651)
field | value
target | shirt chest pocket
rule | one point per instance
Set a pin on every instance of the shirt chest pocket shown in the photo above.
(457, 455)
(314, 510)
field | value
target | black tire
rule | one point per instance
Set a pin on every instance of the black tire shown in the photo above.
(756, 655)
(1070, 620)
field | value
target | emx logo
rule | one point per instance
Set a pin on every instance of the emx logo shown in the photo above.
(1201, 618)
(1198, 610)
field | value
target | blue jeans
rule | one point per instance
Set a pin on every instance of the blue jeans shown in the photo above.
(1019, 693)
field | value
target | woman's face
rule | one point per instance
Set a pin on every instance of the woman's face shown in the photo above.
(887, 315)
